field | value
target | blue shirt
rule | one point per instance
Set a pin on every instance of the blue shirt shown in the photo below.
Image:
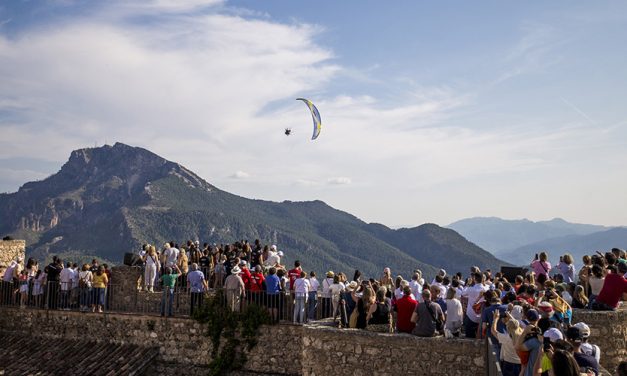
(533, 345)
(488, 317)
(196, 279)
(273, 284)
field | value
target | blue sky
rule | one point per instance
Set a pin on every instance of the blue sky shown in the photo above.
(432, 111)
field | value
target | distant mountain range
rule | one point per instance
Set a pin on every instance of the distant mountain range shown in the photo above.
(517, 241)
(109, 200)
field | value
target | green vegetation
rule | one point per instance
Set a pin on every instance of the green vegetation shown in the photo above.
(110, 200)
(239, 330)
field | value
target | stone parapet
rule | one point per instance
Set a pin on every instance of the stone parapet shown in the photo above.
(608, 330)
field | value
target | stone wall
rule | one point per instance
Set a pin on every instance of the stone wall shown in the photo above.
(608, 330)
(282, 349)
(10, 250)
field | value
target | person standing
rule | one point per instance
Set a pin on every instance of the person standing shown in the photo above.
(169, 283)
(198, 286)
(153, 267)
(235, 289)
(99, 283)
(473, 294)
(426, 316)
(313, 295)
(405, 308)
(301, 293)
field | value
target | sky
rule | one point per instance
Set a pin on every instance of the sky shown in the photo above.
(431, 111)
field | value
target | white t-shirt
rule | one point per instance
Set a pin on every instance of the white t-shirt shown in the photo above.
(171, 255)
(301, 286)
(416, 288)
(74, 278)
(314, 284)
(473, 293)
(326, 283)
(508, 353)
(335, 290)
(65, 277)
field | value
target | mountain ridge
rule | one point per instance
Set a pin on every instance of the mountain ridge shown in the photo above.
(109, 200)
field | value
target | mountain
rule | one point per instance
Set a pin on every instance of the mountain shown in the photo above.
(500, 236)
(109, 200)
(576, 245)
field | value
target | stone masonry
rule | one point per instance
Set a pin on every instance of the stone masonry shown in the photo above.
(282, 349)
(10, 250)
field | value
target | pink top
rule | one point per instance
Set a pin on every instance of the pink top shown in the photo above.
(541, 267)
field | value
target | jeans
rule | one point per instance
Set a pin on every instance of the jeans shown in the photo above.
(99, 296)
(167, 297)
(510, 369)
(85, 296)
(65, 297)
(312, 305)
(196, 301)
(470, 327)
(299, 307)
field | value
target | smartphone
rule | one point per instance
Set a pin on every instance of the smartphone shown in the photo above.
(547, 344)
(536, 257)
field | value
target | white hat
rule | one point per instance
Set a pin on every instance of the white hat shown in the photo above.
(517, 312)
(584, 329)
(236, 270)
(280, 253)
(553, 334)
(351, 286)
(442, 272)
(273, 247)
(243, 262)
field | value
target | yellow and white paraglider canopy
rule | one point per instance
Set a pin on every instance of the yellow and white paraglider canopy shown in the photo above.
(317, 121)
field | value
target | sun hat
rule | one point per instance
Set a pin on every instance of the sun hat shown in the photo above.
(330, 274)
(236, 270)
(352, 286)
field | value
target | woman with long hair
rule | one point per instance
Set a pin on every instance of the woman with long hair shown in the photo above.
(152, 268)
(564, 364)
(379, 314)
(85, 279)
(580, 300)
(596, 281)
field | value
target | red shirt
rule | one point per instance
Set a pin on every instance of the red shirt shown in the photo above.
(405, 307)
(245, 274)
(614, 287)
(256, 282)
(294, 274)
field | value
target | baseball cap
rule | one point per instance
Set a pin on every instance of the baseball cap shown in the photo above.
(584, 329)
(532, 315)
(553, 334)
(573, 333)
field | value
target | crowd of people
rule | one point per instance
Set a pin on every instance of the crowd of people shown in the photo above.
(528, 317)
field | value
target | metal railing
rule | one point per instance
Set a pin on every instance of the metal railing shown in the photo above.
(180, 301)
(493, 365)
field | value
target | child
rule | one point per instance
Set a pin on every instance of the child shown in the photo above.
(23, 283)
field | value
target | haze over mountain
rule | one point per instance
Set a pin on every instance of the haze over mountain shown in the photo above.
(502, 235)
(109, 200)
(576, 245)
(517, 241)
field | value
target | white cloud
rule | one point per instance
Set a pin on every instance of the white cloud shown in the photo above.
(339, 181)
(240, 175)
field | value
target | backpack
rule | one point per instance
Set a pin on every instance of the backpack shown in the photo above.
(82, 282)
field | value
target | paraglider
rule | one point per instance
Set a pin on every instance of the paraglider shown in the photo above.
(317, 121)
(288, 131)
